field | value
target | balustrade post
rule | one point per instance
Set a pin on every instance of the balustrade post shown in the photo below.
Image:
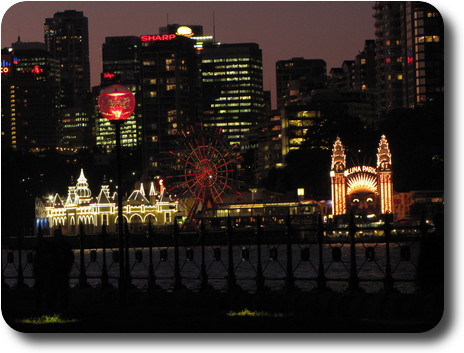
(290, 279)
(127, 269)
(203, 274)
(388, 281)
(231, 279)
(151, 270)
(82, 275)
(177, 276)
(321, 279)
(354, 279)
(20, 276)
(104, 271)
(259, 268)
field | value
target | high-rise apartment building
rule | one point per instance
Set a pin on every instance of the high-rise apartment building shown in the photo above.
(121, 64)
(232, 88)
(365, 73)
(409, 54)
(67, 40)
(30, 97)
(298, 76)
(170, 96)
(389, 55)
(424, 53)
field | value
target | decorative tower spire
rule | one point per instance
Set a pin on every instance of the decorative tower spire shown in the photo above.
(82, 188)
(338, 156)
(152, 189)
(338, 178)
(384, 176)
(383, 154)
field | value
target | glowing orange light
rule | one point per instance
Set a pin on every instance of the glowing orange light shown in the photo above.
(116, 102)
(161, 185)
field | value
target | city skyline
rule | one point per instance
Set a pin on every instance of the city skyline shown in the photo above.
(330, 38)
(323, 215)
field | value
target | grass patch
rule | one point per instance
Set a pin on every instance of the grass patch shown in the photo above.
(249, 313)
(47, 320)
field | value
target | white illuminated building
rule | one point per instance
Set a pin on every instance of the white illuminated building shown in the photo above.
(78, 208)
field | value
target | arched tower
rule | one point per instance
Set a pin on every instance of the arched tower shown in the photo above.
(384, 176)
(338, 179)
(83, 192)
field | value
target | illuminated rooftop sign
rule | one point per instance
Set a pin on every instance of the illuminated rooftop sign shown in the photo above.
(360, 169)
(184, 31)
(157, 37)
(6, 66)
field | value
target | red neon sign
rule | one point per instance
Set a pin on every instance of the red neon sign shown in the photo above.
(108, 75)
(37, 69)
(157, 37)
(5, 70)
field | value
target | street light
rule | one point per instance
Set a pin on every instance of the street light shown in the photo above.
(117, 103)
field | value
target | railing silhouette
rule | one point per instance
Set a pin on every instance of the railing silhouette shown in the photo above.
(320, 246)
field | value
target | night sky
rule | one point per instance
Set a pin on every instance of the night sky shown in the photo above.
(332, 31)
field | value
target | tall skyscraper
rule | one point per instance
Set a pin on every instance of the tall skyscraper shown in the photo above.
(409, 54)
(121, 64)
(30, 97)
(389, 55)
(298, 76)
(67, 39)
(365, 73)
(232, 88)
(424, 53)
(170, 96)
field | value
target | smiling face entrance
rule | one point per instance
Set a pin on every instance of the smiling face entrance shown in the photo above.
(362, 194)
(363, 202)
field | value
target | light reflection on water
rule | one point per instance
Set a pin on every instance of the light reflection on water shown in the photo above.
(371, 273)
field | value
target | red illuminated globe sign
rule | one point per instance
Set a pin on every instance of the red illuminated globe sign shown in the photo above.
(116, 103)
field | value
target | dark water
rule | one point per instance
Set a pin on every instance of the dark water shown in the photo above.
(371, 273)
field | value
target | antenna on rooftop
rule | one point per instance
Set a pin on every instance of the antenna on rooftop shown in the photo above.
(214, 29)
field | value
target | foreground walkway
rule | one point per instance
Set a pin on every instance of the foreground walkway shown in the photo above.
(97, 310)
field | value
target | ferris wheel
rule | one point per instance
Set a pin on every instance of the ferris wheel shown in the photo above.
(209, 165)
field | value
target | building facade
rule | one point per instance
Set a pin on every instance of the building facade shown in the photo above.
(148, 204)
(298, 76)
(170, 96)
(121, 64)
(232, 88)
(363, 190)
(424, 52)
(409, 54)
(30, 97)
(66, 37)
